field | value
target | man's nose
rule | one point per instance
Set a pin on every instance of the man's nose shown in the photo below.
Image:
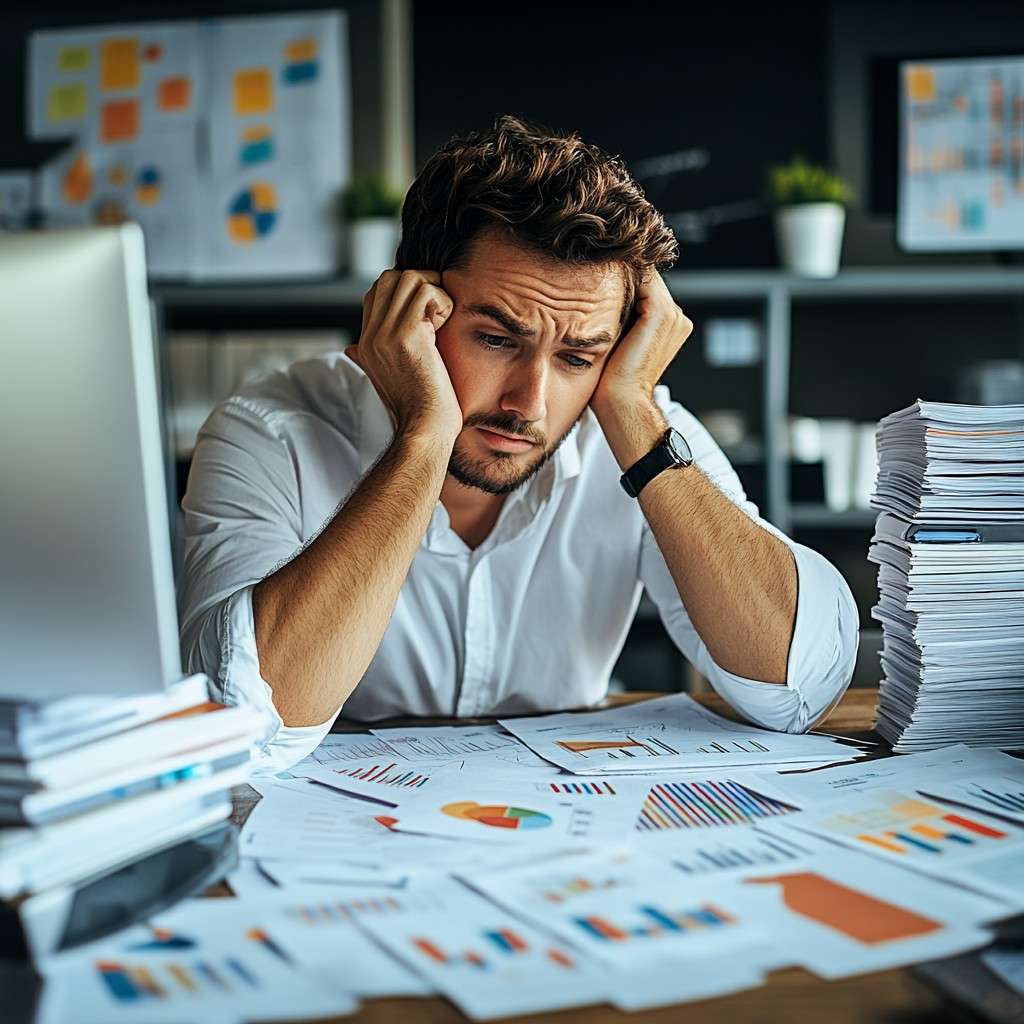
(525, 391)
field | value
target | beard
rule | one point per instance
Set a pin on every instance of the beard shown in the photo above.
(499, 472)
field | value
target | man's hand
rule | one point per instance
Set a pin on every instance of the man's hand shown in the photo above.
(397, 350)
(642, 356)
(623, 400)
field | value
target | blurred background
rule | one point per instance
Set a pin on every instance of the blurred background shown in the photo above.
(265, 150)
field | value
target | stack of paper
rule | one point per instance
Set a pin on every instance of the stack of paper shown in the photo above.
(939, 463)
(950, 549)
(89, 784)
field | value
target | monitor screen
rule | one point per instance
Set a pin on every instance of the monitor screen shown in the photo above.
(961, 160)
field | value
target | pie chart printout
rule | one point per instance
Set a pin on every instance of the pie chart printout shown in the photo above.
(497, 815)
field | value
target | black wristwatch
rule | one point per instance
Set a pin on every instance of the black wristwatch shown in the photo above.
(671, 451)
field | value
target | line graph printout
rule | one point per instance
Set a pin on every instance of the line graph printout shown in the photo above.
(1002, 795)
(968, 848)
(457, 741)
(665, 734)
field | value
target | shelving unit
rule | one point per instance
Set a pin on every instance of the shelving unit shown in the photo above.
(774, 293)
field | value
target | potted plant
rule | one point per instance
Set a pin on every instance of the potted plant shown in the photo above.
(370, 208)
(810, 211)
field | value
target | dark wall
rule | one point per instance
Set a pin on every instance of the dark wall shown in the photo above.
(639, 80)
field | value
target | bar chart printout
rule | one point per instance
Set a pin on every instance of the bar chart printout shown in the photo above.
(744, 852)
(665, 734)
(904, 826)
(653, 922)
(687, 805)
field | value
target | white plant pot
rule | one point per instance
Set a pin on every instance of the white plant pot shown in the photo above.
(372, 246)
(810, 237)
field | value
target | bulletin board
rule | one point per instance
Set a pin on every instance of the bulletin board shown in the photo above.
(227, 140)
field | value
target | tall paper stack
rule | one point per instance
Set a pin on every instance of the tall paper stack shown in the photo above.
(950, 549)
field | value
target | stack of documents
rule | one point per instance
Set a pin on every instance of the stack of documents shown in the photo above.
(89, 784)
(949, 544)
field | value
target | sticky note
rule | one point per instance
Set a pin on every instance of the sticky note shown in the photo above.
(77, 184)
(67, 102)
(73, 58)
(921, 84)
(174, 93)
(300, 50)
(119, 64)
(119, 120)
(253, 91)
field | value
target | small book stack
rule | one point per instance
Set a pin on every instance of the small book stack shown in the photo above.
(89, 785)
(949, 543)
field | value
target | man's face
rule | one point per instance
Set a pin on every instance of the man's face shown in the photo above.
(524, 348)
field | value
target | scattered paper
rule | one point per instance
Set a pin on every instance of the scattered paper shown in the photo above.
(665, 734)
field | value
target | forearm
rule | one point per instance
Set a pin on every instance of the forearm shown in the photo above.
(737, 581)
(320, 618)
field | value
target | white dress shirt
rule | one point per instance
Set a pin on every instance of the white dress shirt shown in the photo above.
(531, 620)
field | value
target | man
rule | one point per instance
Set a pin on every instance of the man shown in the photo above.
(433, 522)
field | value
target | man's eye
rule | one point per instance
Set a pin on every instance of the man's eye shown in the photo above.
(492, 340)
(577, 363)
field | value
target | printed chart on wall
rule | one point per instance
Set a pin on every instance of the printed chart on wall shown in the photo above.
(154, 185)
(266, 96)
(116, 84)
(962, 166)
(278, 145)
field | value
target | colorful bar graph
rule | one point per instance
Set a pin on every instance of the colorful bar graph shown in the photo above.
(387, 775)
(927, 836)
(671, 805)
(583, 788)
(432, 951)
(506, 940)
(656, 921)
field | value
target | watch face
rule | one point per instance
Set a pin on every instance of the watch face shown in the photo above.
(679, 448)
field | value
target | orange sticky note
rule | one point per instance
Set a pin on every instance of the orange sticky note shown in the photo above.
(254, 91)
(119, 62)
(921, 84)
(174, 93)
(77, 184)
(119, 120)
(300, 50)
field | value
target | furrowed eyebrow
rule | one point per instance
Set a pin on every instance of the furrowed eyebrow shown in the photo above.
(604, 338)
(509, 323)
(520, 330)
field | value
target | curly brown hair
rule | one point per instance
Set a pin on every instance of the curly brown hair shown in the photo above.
(565, 198)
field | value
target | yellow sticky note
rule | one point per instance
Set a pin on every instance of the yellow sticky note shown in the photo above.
(254, 91)
(119, 64)
(73, 58)
(67, 102)
(921, 84)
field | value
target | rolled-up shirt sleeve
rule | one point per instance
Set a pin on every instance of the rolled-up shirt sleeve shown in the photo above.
(823, 649)
(242, 522)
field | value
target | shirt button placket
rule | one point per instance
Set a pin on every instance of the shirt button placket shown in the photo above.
(478, 642)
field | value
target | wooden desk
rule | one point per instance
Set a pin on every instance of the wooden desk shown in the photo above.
(789, 996)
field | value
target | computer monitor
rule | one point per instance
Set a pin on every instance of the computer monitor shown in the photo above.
(961, 154)
(87, 603)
